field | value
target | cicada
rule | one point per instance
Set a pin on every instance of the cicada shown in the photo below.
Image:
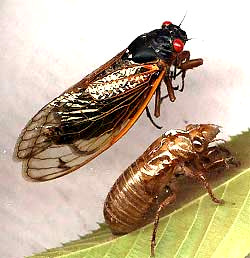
(93, 114)
(150, 184)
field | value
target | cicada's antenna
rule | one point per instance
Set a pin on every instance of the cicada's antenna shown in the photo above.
(183, 19)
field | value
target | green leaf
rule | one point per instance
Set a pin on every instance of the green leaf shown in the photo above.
(193, 227)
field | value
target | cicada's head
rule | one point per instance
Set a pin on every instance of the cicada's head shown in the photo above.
(165, 43)
(201, 135)
(212, 157)
(169, 41)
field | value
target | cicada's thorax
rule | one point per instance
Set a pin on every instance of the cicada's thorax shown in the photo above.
(161, 44)
(138, 188)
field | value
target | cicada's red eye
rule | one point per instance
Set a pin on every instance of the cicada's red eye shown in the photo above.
(166, 23)
(178, 45)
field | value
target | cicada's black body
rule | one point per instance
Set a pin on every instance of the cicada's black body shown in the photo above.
(157, 44)
(93, 114)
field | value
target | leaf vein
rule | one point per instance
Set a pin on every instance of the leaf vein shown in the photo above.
(137, 237)
(190, 228)
(108, 250)
(232, 225)
(209, 225)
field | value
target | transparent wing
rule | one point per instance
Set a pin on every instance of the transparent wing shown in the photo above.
(80, 124)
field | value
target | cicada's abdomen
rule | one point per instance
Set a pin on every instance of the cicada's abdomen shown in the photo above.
(127, 201)
(133, 197)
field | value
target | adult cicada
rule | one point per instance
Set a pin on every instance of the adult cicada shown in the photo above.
(96, 112)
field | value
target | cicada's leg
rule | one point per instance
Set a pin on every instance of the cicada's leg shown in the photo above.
(151, 119)
(170, 88)
(158, 101)
(184, 63)
(190, 64)
(170, 199)
(199, 175)
(218, 157)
